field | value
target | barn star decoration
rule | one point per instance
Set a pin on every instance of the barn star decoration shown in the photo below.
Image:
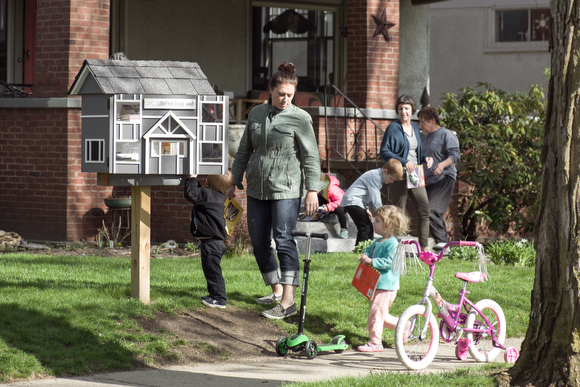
(383, 25)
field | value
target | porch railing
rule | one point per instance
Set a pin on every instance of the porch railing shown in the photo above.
(350, 135)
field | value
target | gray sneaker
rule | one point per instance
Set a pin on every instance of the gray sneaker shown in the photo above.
(278, 312)
(269, 299)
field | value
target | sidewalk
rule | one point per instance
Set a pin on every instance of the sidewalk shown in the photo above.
(267, 371)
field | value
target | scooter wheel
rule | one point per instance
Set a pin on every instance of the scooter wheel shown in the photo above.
(282, 346)
(311, 349)
(338, 340)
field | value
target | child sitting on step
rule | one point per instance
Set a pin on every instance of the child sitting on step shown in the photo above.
(329, 198)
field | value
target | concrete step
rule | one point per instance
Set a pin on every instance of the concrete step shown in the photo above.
(333, 244)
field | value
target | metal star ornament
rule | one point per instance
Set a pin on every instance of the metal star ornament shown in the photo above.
(383, 25)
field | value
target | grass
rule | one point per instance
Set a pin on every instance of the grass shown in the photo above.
(74, 315)
(482, 376)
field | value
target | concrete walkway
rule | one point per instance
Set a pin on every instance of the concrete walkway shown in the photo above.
(271, 371)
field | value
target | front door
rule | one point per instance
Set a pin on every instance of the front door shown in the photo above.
(171, 156)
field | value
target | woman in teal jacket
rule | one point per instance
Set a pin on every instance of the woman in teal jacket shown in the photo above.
(277, 148)
(402, 141)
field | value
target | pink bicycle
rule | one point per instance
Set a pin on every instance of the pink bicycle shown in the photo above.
(483, 323)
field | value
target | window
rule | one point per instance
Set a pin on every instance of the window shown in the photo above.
(212, 112)
(127, 151)
(211, 153)
(522, 25)
(17, 37)
(94, 151)
(303, 37)
(168, 148)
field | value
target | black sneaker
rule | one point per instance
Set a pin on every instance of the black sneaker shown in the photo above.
(213, 303)
(205, 297)
(279, 312)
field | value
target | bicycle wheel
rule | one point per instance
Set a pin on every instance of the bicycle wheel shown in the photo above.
(481, 348)
(416, 353)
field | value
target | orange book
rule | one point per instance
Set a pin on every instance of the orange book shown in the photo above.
(365, 280)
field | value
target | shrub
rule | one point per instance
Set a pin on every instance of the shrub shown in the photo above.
(500, 138)
(362, 246)
(517, 253)
(239, 242)
(190, 246)
(463, 253)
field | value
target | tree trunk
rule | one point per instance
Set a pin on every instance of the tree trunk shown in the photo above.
(550, 353)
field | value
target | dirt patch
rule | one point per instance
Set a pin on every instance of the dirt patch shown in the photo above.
(216, 335)
(92, 249)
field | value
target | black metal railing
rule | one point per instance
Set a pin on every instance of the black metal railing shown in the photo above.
(350, 135)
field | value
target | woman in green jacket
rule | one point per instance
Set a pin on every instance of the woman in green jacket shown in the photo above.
(279, 153)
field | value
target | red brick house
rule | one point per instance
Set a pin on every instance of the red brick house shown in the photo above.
(43, 193)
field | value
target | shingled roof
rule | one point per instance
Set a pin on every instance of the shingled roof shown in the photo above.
(142, 77)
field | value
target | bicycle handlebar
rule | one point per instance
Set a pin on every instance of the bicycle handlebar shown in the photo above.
(430, 258)
(310, 234)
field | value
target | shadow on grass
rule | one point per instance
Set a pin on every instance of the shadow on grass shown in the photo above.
(316, 323)
(37, 343)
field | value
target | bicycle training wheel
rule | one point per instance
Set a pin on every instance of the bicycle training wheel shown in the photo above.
(481, 348)
(416, 353)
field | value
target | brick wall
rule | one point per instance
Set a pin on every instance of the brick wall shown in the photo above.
(44, 196)
(33, 172)
(372, 63)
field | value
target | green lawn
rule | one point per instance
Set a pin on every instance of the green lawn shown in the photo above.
(74, 315)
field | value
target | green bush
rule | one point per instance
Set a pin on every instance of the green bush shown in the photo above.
(191, 246)
(239, 242)
(517, 253)
(463, 253)
(362, 246)
(500, 138)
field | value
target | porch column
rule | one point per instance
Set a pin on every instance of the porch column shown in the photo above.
(372, 62)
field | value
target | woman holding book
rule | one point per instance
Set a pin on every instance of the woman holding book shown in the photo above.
(402, 141)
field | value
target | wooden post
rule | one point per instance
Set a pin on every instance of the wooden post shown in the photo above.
(140, 242)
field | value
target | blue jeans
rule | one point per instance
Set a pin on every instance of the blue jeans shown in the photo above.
(277, 219)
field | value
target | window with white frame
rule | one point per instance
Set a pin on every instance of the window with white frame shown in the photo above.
(522, 25)
(519, 28)
(94, 151)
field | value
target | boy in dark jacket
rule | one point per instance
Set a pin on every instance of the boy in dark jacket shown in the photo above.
(208, 225)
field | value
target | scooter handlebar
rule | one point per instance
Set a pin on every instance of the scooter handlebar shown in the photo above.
(310, 234)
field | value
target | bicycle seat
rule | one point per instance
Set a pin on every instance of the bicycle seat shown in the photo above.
(474, 276)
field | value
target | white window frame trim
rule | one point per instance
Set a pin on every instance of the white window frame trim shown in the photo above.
(88, 153)
(492, 46)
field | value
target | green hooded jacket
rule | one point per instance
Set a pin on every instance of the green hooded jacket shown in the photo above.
(275, 147)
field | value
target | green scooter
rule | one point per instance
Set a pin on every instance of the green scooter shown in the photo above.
(299, 342)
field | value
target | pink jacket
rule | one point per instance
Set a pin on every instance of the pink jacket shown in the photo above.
(333, 194)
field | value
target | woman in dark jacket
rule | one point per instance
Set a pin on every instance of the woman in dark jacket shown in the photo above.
(402, 141)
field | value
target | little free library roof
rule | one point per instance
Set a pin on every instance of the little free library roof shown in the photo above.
(141, 77)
